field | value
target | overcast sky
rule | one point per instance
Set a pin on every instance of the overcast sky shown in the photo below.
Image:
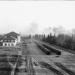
(36, 16)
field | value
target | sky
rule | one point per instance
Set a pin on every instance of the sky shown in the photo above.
(29, 17)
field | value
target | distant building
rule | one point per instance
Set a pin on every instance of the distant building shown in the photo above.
(10, 39)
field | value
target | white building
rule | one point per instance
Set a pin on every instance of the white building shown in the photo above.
(10, 39)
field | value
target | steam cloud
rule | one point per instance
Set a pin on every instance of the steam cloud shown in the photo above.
(33, 28)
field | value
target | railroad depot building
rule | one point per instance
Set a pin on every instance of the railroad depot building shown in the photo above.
(10, 39)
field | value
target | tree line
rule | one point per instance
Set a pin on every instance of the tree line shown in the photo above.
(62, 40)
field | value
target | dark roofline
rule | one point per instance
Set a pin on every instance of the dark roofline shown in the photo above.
(8, 38)
(12, 32)
(12, 35)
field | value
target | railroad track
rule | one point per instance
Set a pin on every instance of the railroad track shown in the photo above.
(48, 66)
(31, 69)
(13, 64)
(64, 68)
(57, 68)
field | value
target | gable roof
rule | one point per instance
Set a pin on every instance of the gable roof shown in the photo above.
(12, 34)
(8, 38)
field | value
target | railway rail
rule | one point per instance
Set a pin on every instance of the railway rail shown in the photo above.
(31, 70)
(15, 61)
(48, 66)
(64, 68)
